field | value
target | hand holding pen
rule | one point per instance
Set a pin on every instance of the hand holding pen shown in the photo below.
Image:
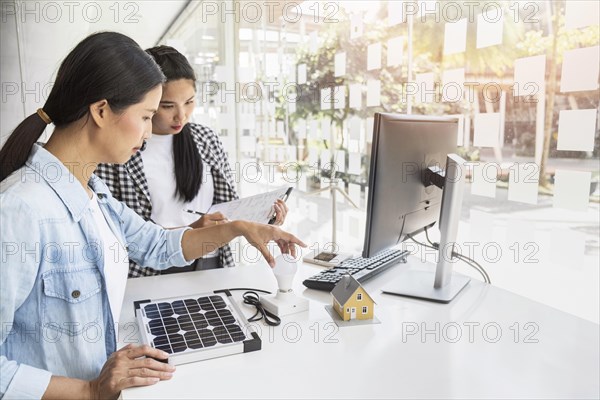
(207, 219)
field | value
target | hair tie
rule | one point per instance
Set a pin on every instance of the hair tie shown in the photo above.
(44, 116)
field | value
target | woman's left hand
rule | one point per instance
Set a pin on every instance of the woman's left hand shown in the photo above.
(281, 210)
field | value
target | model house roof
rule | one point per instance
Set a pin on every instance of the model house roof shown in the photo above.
(345, 288)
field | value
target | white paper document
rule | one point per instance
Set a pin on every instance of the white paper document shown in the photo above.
(257, 208)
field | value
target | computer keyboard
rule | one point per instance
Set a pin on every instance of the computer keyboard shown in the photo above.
(360, 268)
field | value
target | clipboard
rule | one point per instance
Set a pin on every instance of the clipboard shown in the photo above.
(257, 208)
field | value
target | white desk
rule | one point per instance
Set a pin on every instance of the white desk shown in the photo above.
(307, 356)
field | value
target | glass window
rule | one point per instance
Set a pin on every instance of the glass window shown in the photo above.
(296, 94)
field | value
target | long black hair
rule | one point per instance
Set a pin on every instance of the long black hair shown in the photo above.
(105, 65)
(187, 160)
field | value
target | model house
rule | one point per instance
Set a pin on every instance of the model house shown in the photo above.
(351, 300)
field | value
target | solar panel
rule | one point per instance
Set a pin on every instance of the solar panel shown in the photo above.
(194, 328)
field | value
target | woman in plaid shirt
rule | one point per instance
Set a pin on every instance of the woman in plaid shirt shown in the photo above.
(182, 166)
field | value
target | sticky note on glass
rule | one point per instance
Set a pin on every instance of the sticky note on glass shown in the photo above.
(455, 37)
(490, 27)
(340, 161)
(425, 84)
(580, 69)
(339, 97)
(354, 128)
(248, 144)
(394, 8)
(325, 182)
(453, 85)
(482, 226)
(374, 56)
(354, 163)
(572, 189)
(395, 51)
(301, 128)
(521, 232)
(292, 71)
(487, 130)
(461, 128)
(291, 106)
(301, 74)
(221, 73)
(567, 248)
(326, 128)
(523, 183)
(248, 121)
(354, 193)
(326, 98)
(530, 75)
(356, 26)
(369, 129)
(373, 93)
(484, 177)
(579, 14)
(340, 64)
(354, 226)
(247, 74)
(313, 158)
(273, 66)
(355, 97)
(313, 42)
(325, 159)
(314, 129)
(576, 130)
(302, 184)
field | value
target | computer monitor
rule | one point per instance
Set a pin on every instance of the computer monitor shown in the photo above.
(415, 180)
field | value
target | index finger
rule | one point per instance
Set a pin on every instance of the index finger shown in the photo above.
(288, 237)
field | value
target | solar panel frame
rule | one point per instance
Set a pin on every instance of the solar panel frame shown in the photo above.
(196, 327)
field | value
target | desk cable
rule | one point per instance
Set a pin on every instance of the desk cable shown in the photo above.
(472, 263)
(252, 298)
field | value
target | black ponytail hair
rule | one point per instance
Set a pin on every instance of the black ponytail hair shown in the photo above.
(187, 160)
(104, 65)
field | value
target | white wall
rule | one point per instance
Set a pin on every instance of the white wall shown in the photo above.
(36, 36)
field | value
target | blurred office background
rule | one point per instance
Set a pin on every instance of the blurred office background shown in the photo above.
(292, 86)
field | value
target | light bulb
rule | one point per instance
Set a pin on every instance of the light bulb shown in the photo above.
(285, 270)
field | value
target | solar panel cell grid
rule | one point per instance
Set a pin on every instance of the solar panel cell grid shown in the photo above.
(191, 324)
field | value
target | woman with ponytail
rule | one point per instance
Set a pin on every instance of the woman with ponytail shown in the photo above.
(65, 240)
(183, 166)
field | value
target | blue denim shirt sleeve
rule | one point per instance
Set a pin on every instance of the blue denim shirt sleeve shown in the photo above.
(150, 245)
(18, 272)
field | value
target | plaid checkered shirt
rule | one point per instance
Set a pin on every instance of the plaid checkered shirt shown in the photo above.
(128, 183)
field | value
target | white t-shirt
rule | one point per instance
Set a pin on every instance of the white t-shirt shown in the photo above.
(116, 263)
(167, 208)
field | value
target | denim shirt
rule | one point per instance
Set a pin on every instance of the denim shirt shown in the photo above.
(54, 308)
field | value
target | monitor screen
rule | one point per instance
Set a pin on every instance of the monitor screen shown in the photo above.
(399, 203)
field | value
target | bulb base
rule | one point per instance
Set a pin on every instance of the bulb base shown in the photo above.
(284, 303)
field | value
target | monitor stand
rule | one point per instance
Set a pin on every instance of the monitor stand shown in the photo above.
(441, 286)
(419, 285)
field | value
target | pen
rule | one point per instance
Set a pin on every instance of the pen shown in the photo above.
(194, 212)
